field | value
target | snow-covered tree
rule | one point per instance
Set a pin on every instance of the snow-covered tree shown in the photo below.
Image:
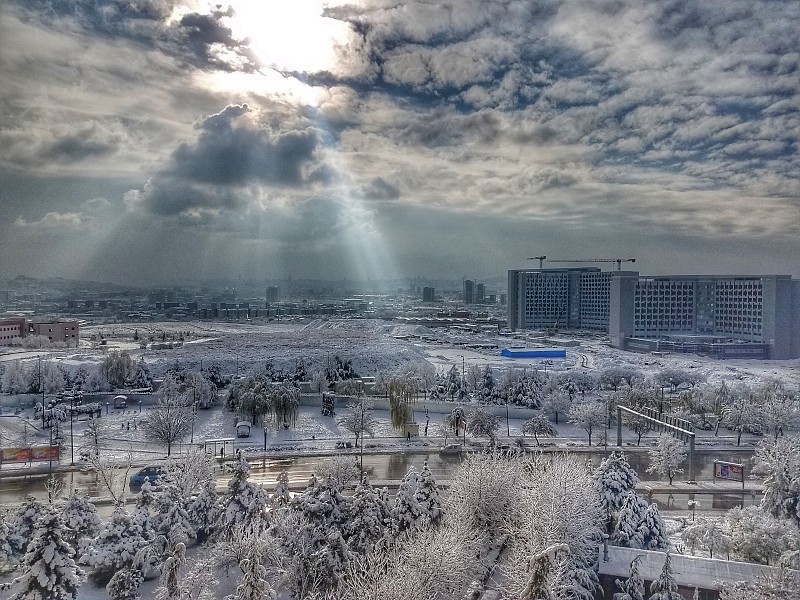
(427, 495)
(80, 519)
(588, 416)
(173, 520)
(778, 463)
(651, 534)
(630, 516)
(22, 523)
(169, 421)
(559, 505)
(482, 422)
(338, 472)
(244, 503)
(485, 494)
(139, 377)
(49, 569)
(204, 510)
(281, 495)
(359, 419)
(402, 389)
(742, 414)
(436, 562)
(116, 367)
(15, 378)
(556, 402)
(665, 587)
(756, 536)
(707, 534)
(6, 552)
(115, 547)
(369, 516)
(170, 587)
(540, 585)
(453, 382)
(124, 585)
(633, 587)
(539, 426)
(615, 479)
(667, 456)
(406, 513)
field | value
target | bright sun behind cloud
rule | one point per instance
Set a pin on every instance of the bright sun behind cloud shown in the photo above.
(289, 35)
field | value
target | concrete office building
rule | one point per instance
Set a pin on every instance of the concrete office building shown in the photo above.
(560, 298)
(428, 294)
(749, 316)
(12, 329)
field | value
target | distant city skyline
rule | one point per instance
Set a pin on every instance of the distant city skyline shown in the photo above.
(184, 141)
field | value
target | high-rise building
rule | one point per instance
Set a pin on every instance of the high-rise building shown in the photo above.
(428, 294)
(727, 316)
(469, 291)
(480, 294)
(273, 294)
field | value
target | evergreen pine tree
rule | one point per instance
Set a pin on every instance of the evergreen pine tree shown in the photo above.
(281, 496)
(630, 517)
(665, 587)
(22, 524)
(170, 588)
(173, 520)
(539, 584)
(124, 585)
(406, 512)
(245, 502)
(369, 516)
(115, 547)
(652, 532)
(633, 587)
(49, 570)
(428, 497)
(615, 479)
(204, 510)
(6, 552)
(81, 520)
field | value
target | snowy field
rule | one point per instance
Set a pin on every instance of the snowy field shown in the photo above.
(373, 346)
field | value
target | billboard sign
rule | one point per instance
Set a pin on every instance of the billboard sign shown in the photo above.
(34, 454)
(727, 470)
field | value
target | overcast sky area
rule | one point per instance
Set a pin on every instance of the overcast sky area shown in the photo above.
(155, 141)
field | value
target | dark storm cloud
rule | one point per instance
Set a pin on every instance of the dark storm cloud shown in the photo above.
(77, 147)
(237, 150)
(378, 189)
(196, 38)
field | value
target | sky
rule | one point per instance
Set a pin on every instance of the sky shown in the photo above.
(149, 141)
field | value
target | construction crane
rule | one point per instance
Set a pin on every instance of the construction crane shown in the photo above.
(540, 259)
(619, 261)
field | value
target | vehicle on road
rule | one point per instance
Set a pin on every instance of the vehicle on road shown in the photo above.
(151, 473)
(451, 449)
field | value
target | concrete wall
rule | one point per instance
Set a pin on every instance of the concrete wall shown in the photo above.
(689, 571)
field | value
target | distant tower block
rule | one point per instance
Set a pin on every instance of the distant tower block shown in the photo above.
(428, 294)
(273, 294)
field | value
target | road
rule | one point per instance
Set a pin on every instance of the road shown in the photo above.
(392, 467)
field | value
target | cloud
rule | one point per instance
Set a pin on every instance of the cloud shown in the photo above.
(200, 39)
(52, 221)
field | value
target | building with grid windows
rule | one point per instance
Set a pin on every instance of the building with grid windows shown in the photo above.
(748, 316)
(576, 298)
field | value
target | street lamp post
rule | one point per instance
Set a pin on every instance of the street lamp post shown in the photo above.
(71, 438)
(41, 387)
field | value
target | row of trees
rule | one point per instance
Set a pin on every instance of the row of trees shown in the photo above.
(117, 370)
(500, 516)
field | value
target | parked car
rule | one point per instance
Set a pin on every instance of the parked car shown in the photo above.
(151, 473)
(451, 449)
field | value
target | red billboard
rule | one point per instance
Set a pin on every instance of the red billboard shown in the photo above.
(21, 455)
